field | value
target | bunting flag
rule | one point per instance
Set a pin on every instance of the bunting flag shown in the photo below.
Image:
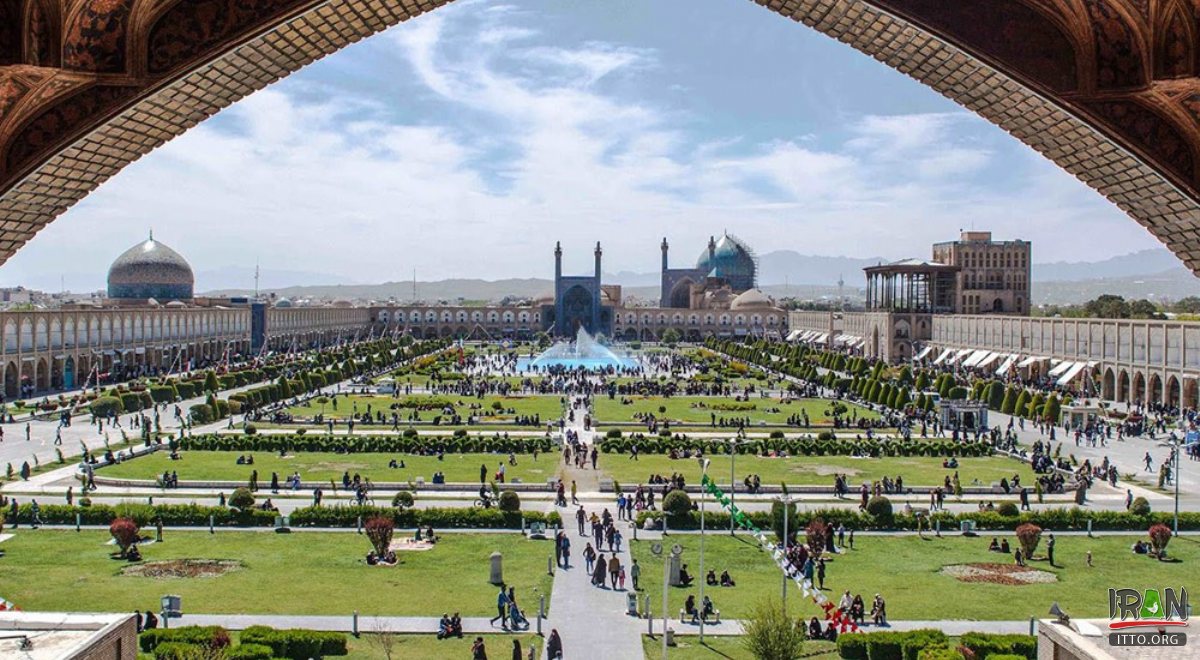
(833, 615)
(7, 606)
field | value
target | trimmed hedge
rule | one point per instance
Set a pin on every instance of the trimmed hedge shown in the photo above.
(1058, 519)
(296, 643)
(173, 515)
(986, 645)
(890, 645)
(398, 444)
(451, 518)
(205, 636)
(250, 652)
(827, 443)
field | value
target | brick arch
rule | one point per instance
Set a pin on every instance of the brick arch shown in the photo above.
(1094, 85)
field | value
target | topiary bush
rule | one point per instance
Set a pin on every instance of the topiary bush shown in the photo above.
(509, 501)
(1028, 536)
(1009, 509)
(379, 531)
(403, 500)
(125, 532)
(1160, 536)
(1140, 506)
(677, 504)
(880, 509)
(241, 499)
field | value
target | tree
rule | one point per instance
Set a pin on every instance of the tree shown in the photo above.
(1144, 309)
(1053, 409)
(814, 536)
(125, 532)
(671, 336)
(1028, 536)
(379, 532)
(1187, 305)
(241, 499)
(1160, 536)
(677, 504)
(403, 500)
(777, 519)
(210, 381)
(1021, 409)
(1107, 306)
(770, 634)
(509, 501)
(880, 509)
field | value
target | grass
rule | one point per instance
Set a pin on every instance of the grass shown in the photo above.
(423, 647)
(906, 571)
(725, 648)
(548, 406)
(818, 470)
(698, 410)
(320, 467)
(300, 573)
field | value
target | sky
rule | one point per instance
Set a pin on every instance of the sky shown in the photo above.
(466, 141)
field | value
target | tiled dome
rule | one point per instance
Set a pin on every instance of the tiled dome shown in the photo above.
(150, 270)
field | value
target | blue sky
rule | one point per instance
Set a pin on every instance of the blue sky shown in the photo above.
(465, 142)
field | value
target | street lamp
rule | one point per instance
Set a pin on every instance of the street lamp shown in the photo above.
(676, 550)
(787, 562)
(704, 462)
(733, 443)
(1175, 447)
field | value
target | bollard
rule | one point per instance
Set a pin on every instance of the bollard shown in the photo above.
(354, 624)
(1089, 528)
(664, 523)
(166, 620)
(1032, 623)
(77, 517)
(210, 525)
(937, 525)
(549, 566)
(541, 614)
(649, 618)
(635, 526)
(358, 525)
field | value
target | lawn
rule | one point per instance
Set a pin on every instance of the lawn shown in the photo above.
(299, 573)
(549, 407)
(320, 467)
(422, 647)
(724, 648)
(819, 470)
(700, 410)
(906, 571)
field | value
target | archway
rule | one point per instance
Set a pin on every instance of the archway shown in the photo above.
(1108, 385)
(1189, 400)
(681, 294)
(1138, 394)
(1123, 387)
(1173, 393)
(577, 308)
(1155, 393)
(12, 378)
(1096, 86)
(43, 375)
(68, 373)
(56, 373)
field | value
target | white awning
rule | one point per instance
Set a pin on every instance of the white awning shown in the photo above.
(1072, 373)
(1062, 368)
(988, 360)
(975, 358)
(924, 351)
(1007, 366)
(820, 339)
(959, 355)
(794, 335)
(1030, 360)
(941, 358)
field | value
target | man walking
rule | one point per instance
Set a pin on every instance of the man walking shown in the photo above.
(635, 572)
(1050, 549)
(501, 608)
(580, 516)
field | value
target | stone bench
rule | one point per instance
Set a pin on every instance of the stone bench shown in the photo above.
(715, 617)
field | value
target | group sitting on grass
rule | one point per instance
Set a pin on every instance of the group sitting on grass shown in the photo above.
(387, 559)
(1000, 545)
(450, 626)
(724, 581)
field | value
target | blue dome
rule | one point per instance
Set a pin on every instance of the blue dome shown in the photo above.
(731, 260)
(150, 270)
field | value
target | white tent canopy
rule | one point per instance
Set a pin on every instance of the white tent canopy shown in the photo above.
(1062, 368)
(988, 360)
(1072, 373)
(924, 351)
(1031, 360)
(942, 358)
(975, 358)
(1007, 366)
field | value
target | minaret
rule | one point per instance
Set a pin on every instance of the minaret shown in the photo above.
(664, 254)
(712, 252)
(598, 263)
(557, 262)
(662, 280)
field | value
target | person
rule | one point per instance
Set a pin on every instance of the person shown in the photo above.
(1017, 556)
(1128, 499)
(635, 572)
(845, 602)
(501, 608)
(711, 578)
(707, 608)
(598, 572)
(814, 628)
(1004, 546)
(151, 621)
(554, 646)
(444, 626)
(456, 626)
(35, 514)
(614, 570)
(685, 579)
(478, 652)
(580, 516)
(589, 557)
(857, 609)
(821, 573)
(1050, 549)
(138, 614)
(516, 650)
(1089, 558)
(727, 581)
(879, 611)
(995, 546)
(1141, 548)
(689, 608)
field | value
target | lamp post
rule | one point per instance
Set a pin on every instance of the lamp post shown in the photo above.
(704, 462)
(1175, 447)
(787, 505)
(733, 443)
(676, 550)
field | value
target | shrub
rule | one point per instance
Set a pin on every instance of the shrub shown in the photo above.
(771, 633)
(1160, 536)
(880, 509)
(778, 518)
(241, 499)
(250, 652)
(1008, 509)
(200, 637)
(125, 532)
(250, 428)
(178, 651)
(987, 645)
(1028, 535)
(885, 646)
(677, 504)
(1140, 506)
(915, 640)
(939, 652)
(379, 531)
(105, 406)
(403, 500)
(296, 644)
(852, 646)
(509, 501)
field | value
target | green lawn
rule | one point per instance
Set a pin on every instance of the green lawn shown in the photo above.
(699, 410)
(322, 466)
(724, 648)
(299, 573)
(906, 571)
(818, 470)
(548, 406)
(423, 647)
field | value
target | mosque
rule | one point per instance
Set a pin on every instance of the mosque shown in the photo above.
(150, 271)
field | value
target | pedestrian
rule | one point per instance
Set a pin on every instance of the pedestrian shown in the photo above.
(516, 650)
(851, 539)
(574, 493)
(501, 608)
(478, 652)
(70, 495)
(821, 574)
(580, 517)
(35, 517)
(1089, 558)
(558, 549)
(1050, 549)
(554, 646)
(614, 569)
(1128, 499)
(635, 572)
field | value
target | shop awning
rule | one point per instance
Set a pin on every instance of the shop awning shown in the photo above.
(991, 358)
(1072, 373)
(975, 358)
(1061, 368)
(924, 351)
(794, 335)
(1006, 366)
(1031, 360)
(942, 358)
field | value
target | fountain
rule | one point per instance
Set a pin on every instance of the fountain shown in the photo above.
(584, 352)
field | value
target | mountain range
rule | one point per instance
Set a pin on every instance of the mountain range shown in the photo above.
(1154, 274)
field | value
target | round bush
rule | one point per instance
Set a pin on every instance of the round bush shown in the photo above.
(241, 499)
(1008, 509)
(677, 503)
(251, 429)
(510, 501)
(403, 500)
(106, 405)
(880, 508)
(1139, 506)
